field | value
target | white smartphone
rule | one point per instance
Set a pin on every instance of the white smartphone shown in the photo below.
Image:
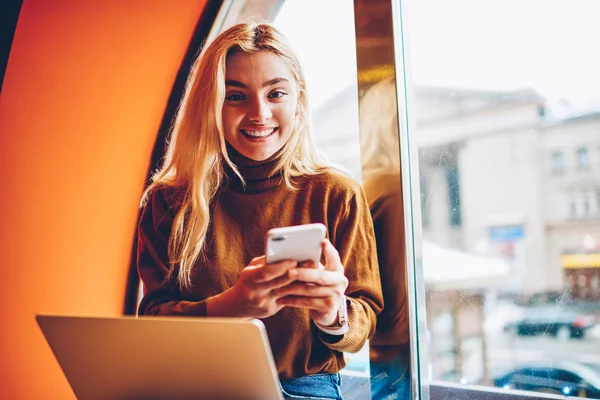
(298, 243)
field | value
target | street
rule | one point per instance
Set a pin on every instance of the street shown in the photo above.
(507, 350)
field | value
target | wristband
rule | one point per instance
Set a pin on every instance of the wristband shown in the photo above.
(342, 321)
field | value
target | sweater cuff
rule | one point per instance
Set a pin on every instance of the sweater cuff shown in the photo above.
(336, 330)
(356, 336)
(342, 320)
(194, 308)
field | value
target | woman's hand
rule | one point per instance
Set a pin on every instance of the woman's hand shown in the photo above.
(254, 294)
(318, 288)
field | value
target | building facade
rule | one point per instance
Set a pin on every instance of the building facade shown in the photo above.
(499, 177)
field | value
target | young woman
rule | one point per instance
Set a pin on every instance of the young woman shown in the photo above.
(240, 161)
(390, 346)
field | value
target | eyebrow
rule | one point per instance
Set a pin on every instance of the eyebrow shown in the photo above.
(270, 82)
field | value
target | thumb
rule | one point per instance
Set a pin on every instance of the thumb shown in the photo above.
(257, 261)
(332, 257)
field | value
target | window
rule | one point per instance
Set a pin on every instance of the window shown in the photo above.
(570, 283)
(595, 285)
(581, 282)
(565, 376)
(453, 182)
(573, 208)
(583, 158)
(538, 372)
(484, 100)
(586, 204)
(558, 163)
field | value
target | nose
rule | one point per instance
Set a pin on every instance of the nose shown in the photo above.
(260, 111)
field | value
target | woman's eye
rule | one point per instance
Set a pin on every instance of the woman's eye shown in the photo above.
(277, 94)
(235, 97)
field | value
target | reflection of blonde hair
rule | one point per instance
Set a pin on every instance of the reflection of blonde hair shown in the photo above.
(196, 150)
(379, 128)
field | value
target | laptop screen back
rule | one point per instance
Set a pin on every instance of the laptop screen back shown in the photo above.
(163, 357)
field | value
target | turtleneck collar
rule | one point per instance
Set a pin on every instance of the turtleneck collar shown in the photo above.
(259, 175)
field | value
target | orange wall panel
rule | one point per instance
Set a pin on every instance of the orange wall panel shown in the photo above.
(84, 94)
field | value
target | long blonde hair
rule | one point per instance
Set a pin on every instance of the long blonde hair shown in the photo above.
(197, 148)
(379, 141)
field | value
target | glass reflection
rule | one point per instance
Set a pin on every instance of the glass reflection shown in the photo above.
(390, 347)
(507, 121)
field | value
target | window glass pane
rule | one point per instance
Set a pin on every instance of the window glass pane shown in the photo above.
(557, 162)
(327, 52)
(583, 161)
(328, 55)
(506, 117)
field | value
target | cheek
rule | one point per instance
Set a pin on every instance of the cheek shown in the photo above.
(229, 118)
(288, 114)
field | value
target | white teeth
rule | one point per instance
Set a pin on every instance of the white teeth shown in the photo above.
(258, 133)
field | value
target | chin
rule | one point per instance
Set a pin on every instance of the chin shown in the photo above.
(259, 156)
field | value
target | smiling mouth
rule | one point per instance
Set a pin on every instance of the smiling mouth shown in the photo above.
(255, 133)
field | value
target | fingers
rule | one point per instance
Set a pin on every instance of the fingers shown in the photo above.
(268, 272)
(310, 264)
(258, 261)
(321, 277)
(332, 257)
(306, 290)
(280, 282)
(319, 304)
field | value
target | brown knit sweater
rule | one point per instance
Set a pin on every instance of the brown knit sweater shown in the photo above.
(240, 219)
(385, 200)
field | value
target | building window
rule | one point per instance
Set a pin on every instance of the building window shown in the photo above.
(453, 181)
(586, 204)
(573, 208)
(583, 158)
(558, 162)
(595, 284)
(581, 281)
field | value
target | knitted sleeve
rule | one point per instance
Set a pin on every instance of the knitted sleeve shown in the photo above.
(392, 323)
(354, 239)
(161, 296)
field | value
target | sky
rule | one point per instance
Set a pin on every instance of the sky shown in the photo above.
(551, 46)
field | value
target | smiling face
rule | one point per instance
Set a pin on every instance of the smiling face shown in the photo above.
(261, 97)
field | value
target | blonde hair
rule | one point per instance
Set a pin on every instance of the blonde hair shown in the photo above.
(379, 140)
(197, 148)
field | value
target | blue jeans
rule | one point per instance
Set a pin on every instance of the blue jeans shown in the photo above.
(314, 387)
(390, 380)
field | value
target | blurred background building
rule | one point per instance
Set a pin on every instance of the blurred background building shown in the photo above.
(500, 177)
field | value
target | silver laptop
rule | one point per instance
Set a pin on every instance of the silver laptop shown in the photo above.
(163, 357)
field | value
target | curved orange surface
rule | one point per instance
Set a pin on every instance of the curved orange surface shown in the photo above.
(85, 90)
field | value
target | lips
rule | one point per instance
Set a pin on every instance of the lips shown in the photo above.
(258, 133)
